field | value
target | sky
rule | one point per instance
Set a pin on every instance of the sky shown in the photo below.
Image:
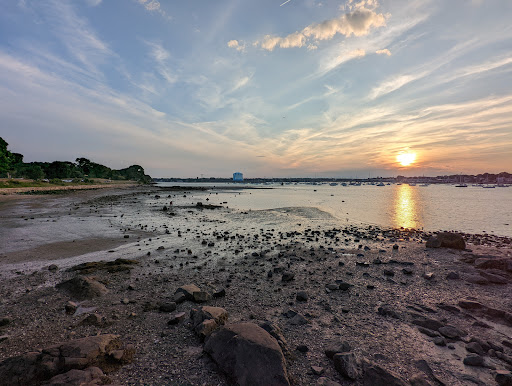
(269, 88)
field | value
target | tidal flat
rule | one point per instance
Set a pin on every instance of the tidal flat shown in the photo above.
(345, 303)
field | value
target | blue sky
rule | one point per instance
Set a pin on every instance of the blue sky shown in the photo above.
(306, 88)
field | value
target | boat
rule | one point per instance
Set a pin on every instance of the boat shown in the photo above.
(333, 184)
(381, 184)
(461, 186)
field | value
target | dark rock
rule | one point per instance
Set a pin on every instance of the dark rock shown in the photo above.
(347, 365)
(388, 272)
(407, 271)
(440, 341)
(4, 321)
(248, 355)
(302, 296)
(377, 376)
(495, 279)
(428, 332)
(77, 377)
(419, 380)
(475, 348)
(3, 338)
(298, 320)
(476, 279)
(167, 307)
(317, 370)
(502, 264)
(503, 378)
(176, 318)
(453, 276)
(206, 319)
(82, 288)
(179, 297)
(446, 240)
(386, 310)
(187, 290)
(93, 320)
(474, 360)
(302, 348)
(431, 324)
(274, 330)
(288, 276)
(219, 293)
(37, 367)
(337, 348)
(343, 286)
(53, 268)
(323, 381)
(201, 296)
(332, 287)
(451, 332)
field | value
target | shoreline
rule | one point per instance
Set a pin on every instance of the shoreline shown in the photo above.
(186, 244)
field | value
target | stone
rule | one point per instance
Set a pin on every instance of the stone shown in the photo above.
(337, 348)
(287, 276)
(248, 354)
(302, 296)
(476, 279)
(473, 360)
(446, 240)
(453, 276)
(4, 338)
(377, 376)
(82, 288)
(419, 379)
(274, 330)
(323, 381)
(219, 293)
(207, 319)
(428, 332)
(502, 264)
(70, 307)
(53, 268)
(298, 320)
(503, 378)
(93, 320)
(77, 377)
(187, 290)
(348, 365)
(5, 321)
(179, 297)
(343, 286)
(332, 287)
(317, 370)
(475, 348)
(201, 296)
(451, 332)
(37, 367)
(494, 279)
(431, 324)
(302, 348)
(440, 341)
(386, 310)
(167, 307)
(176, 318)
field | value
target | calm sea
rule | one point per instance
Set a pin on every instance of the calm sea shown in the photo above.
(435, 207)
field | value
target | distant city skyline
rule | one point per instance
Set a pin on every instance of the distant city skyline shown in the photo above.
(352, 88)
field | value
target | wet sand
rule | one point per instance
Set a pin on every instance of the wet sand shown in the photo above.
(246, 254)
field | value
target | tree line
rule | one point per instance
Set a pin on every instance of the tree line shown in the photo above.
(12, 165)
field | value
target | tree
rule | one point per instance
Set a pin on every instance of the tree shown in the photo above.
(5, 157)
(34, 172)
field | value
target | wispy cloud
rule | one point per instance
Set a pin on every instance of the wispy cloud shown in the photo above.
(153, 6)
(161, 57)
(383, 52)
(358, 22)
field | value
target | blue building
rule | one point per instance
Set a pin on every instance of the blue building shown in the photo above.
(238, 177)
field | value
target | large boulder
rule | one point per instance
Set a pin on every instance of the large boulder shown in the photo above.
(446, 240)
(89, 376)
(82, 288)
(375, 375)
(502, 264)
(248, 354)
(104, 351)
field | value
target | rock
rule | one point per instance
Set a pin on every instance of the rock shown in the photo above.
(187, 290)
(77, 377)
(453, 276)
(476, 279)
(323, 381)
(302, 296)
(302, 348)
(502, 264)
(395, 246)
(473, 360)
(493, 314)
(337, 348)
(4, 321)
(287, 276)
(248, 355)
(431, 324)
(167, 307)
(70, 307)
(348, 365)
(298, 320)
(4, 338)
(440, 341)
(332, 287)
(219, 293)
(82, 288)
(386, 310)
(206, 319)
(176, 318)
(419, 379)
(451, 332)
(317, 370)
(377, 376)
(179, 297)
(475, 348)
(428, 332)
(503, 378)
(343, 286)
(407, 271)
(201, 296)
(428, 275)
(37, 367)
(53, 268)
(93, 320)
(446, 240)
(495, 279)
(389, 272)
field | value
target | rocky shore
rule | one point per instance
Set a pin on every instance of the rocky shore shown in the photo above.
(171, 286)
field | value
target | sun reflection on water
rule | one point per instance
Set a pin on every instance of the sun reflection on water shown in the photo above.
(405, 203)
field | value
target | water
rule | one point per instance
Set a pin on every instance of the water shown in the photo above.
(431, 208)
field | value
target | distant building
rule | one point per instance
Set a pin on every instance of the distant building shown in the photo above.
(238, 177)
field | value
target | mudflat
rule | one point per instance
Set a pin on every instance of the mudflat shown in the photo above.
(341, 304)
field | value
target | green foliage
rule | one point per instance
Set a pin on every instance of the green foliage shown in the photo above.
(83, 169)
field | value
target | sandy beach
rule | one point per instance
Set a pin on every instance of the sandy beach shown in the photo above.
(394, 311)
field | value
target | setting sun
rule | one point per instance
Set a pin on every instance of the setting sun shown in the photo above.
(406, 158)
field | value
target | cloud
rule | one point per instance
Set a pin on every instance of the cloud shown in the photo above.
(161, 56)
(94, 3)
(358, 22)
(153, 6)
(236, 45)
(383, 52)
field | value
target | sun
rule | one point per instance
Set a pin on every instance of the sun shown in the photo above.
(405, 158)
